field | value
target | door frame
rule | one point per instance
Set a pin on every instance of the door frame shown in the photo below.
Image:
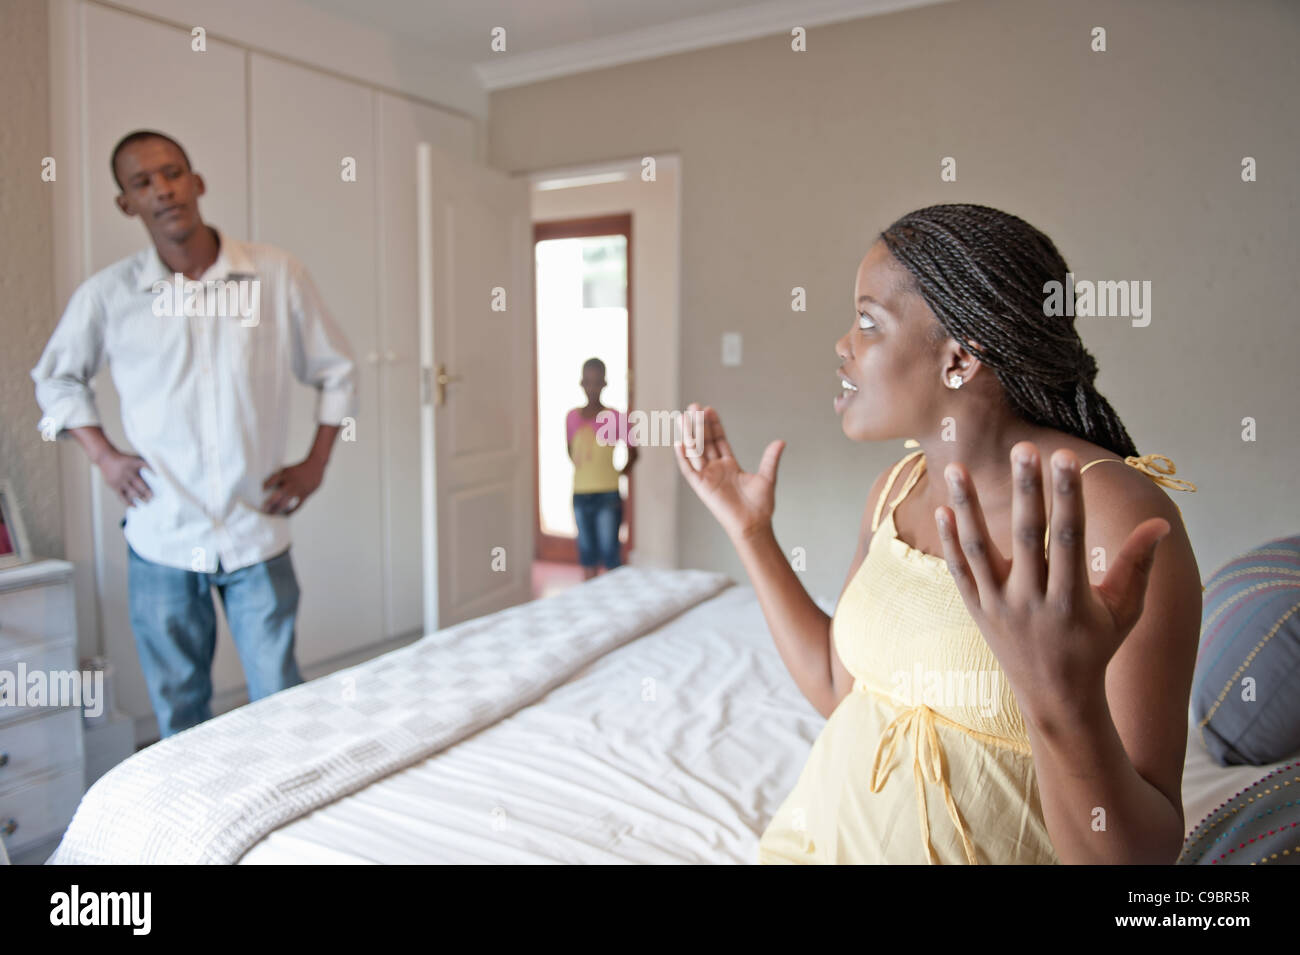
(548, 547)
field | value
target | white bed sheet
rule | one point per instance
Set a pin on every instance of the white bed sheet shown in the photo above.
(676, 748)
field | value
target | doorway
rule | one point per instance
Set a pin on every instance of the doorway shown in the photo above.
(583, 276)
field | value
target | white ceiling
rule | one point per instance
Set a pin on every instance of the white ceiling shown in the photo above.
(547, 38)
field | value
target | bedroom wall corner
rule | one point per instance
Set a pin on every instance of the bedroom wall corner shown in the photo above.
(27, 280)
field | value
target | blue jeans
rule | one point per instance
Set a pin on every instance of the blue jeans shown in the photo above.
(598, 517)
(175, 626)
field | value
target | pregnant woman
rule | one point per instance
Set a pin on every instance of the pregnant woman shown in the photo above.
(1003, 681)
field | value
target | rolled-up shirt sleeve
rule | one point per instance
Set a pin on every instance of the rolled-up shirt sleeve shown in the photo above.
(71, 359)
(322, 357)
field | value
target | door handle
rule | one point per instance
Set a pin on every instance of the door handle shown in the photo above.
(442, 381)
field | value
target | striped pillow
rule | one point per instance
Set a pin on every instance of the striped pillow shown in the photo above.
(1244, 693)
(1258, 826)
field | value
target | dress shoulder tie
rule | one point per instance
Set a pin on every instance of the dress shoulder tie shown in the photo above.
(1155, 466)
(1158, 468)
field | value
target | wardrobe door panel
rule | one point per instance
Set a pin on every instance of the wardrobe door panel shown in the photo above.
(310, 133)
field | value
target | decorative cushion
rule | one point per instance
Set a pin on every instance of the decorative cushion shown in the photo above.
(1258, 826)
(1244, 693)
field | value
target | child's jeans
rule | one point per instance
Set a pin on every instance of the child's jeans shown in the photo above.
(175, 628)
(598, 517)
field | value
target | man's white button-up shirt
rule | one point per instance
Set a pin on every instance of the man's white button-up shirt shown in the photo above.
(202, 369)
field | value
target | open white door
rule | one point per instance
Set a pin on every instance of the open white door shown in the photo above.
(476, 358)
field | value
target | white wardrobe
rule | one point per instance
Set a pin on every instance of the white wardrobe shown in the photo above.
(270, 138)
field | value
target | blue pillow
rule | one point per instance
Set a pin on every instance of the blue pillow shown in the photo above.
(1245, 702)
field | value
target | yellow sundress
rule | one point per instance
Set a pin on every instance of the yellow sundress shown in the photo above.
(926, 689)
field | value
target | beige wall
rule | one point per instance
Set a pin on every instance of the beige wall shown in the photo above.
(27, 315)
(1128, 159)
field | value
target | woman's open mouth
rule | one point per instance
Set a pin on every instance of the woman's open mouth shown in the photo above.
(847, 390)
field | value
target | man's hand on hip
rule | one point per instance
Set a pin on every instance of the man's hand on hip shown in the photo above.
(122, 473)
(291, 486)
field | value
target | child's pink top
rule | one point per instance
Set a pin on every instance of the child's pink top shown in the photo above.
(618, 429)
(592, 441)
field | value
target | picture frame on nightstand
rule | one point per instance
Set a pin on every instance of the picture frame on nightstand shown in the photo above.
(14, 548)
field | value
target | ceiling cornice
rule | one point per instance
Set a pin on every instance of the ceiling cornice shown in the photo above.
(715, 29)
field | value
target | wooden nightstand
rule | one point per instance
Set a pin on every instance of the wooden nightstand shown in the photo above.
(42, 756)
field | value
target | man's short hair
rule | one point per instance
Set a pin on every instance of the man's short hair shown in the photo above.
(594, 363)
(137, 136)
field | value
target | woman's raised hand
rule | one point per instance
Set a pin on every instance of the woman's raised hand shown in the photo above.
(1053, 631)
(742, 502)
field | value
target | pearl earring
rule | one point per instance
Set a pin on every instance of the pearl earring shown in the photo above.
(956, 381)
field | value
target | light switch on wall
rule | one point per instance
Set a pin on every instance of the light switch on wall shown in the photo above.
(731, 349)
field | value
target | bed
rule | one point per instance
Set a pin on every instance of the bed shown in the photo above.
(677, 747)
(672, 742)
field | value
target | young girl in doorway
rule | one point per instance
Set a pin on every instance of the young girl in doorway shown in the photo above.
(597, 504)
(974, 560)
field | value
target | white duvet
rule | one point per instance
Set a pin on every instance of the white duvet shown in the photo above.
(209, 793)
(675, 748)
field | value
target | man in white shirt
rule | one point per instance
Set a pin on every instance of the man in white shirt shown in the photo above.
(201, 332)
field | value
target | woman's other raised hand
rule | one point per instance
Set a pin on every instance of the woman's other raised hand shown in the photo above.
(742, 502)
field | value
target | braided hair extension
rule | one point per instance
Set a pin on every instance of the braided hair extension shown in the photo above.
(982, 272)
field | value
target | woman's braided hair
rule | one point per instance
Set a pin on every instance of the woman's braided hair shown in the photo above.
(982, 272)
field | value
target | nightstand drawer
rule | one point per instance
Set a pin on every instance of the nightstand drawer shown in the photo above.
(35, 615)
(39, 811)
(39, 745)
(21, 662)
